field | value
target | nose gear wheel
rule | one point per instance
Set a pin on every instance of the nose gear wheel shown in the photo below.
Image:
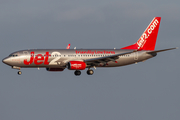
(19, 72)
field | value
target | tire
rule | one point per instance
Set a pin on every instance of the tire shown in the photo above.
(90, 72)
(19, 72)
(77, 73)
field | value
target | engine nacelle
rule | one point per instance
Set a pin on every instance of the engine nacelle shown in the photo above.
(54, 69)
(76, 65)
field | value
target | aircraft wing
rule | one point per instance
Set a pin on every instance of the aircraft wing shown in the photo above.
(105, 59)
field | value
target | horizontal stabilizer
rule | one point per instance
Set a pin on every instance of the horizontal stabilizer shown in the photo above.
(156, 51)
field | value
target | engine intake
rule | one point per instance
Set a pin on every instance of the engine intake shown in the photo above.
(76, 65)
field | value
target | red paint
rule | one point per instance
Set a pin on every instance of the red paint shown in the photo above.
(76, 65)
(116, 62)
(46, 58)
(31, 59)
(147, 41)
(68, 47)
(38, 60)
(95, 52)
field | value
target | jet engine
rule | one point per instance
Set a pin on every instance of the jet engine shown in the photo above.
(54, 69)
(76, 65)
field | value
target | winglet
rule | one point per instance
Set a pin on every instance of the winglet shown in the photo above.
(68, 47)
(147, 41)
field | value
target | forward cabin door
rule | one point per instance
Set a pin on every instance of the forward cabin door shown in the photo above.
(26, 56)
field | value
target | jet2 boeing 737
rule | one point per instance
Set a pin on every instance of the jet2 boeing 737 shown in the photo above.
(80, 59)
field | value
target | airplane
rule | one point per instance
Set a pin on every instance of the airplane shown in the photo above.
(80, 59)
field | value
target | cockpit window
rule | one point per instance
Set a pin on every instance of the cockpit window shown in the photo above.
(13, 55)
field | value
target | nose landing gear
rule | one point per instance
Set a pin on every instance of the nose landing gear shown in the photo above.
(19, 72)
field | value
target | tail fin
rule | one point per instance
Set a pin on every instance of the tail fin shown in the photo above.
(147, 41)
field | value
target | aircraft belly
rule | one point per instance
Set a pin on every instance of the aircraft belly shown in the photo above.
(121, 62)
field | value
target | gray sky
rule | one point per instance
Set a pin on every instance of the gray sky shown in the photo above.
(145, 91)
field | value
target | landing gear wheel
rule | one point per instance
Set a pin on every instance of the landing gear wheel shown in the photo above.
(19, 72)
(77, 72)
(90, 72)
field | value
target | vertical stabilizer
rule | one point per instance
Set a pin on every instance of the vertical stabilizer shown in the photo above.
(147, 41)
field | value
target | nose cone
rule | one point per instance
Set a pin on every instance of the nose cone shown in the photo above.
(6, 61)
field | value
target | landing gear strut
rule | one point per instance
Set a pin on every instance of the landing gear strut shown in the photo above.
(77, 72)
(19, 72)
(90, 72)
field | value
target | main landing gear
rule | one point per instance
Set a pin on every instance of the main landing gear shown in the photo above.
(90, 72)
(78, 72)
(19, 68)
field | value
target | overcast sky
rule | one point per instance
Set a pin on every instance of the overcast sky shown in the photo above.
(143, 91)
